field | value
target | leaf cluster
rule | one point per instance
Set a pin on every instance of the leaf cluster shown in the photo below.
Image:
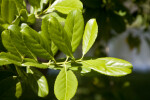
(25, 46)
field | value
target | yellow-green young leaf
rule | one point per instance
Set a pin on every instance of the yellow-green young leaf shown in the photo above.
(7, 58)
(8, 10)
(34, 42)
(65, 6)
(65, 85)
(109, 66)
(74, 26)
(90, 34)
(18, 90)
(38, 82)
(59, 36)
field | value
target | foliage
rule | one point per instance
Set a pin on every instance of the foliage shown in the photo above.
(28, 49)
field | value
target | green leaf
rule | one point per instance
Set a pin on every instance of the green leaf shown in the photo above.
(35, 3)
(45, 34)
(65, 85)
(74, 27)
(7, 58)
(54, 48)
(85, 70)
(33, 63)
(43, 3)
(38, 82)
(20, 4)
(22, 74)
(16, 21)
(60, 17)
(90, 34)
(59, 36)
(34, 42)
(18, 90)
(24, 15)
(38, 5)
(8, 44)
(65, 6)
(8, 10)
(31, 19)
(17, 40)
(109, 66)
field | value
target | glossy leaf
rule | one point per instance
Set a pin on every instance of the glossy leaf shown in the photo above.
(109, 66)
(34, 43)
(17, 40)
(65, 6)
(90, 34)
(59, 36)
(38, 82)
(49, 44)
(8, 10)
(8, 44)
(7, 58)
(45, 34)
(74, 27)
(65, 85)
